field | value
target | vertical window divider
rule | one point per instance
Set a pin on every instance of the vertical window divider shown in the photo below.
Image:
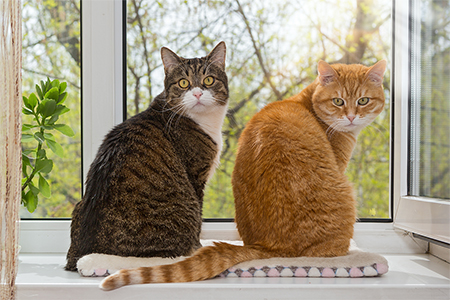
(102, 74)
(401, 100)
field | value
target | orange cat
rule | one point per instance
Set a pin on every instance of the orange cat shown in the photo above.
(292, 196)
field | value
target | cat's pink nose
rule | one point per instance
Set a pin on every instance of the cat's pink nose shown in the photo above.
(351, 118)
(197, 94)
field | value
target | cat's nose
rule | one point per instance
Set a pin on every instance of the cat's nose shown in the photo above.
(351, 118)
(197, 94)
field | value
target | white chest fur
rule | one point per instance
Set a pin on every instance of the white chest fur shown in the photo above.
(209, 115)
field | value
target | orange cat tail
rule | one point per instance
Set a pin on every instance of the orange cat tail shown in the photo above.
(207, 262)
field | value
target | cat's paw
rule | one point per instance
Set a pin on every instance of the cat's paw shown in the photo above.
(96, 265)
(100, 265)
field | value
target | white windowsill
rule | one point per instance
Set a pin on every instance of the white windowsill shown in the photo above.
(411, 276)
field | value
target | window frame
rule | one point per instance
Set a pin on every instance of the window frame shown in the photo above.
(412, 214)
(102, 73)
(103, 80)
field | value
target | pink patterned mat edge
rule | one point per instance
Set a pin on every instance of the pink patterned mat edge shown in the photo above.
(355, 264)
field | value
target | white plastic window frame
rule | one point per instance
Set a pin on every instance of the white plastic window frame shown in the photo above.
(102, 73)
(102, 98)
(426, 217)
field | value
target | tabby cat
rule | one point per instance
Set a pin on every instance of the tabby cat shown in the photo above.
(144, 190)
(292, 196)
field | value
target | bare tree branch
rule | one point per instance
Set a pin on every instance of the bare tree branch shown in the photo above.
(64, 33)
(52, 76)
(38, 42)
(144, 45)
(267, 75)
(363, 27)
(136, 90)
(232, 111)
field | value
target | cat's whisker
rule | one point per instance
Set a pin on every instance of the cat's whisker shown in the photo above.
(181, 111)
(166, 104)
(173, 113)
(332, 129)
(180, 114)
(329, 129)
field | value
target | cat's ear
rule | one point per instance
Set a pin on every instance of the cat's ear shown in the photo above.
(218, 54)
(326, 73)
(169, 58)
(376, 72)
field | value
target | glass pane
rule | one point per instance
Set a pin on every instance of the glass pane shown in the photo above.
(51, 48)
(272, 52)
(430, 99)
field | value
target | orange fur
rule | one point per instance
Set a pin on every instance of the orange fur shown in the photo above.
(291, 194)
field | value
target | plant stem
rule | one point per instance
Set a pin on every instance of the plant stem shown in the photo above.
(39, 147)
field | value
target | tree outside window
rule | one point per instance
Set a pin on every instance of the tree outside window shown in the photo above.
(272, 52)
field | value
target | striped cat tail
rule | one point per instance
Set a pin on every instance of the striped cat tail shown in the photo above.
(207, 262)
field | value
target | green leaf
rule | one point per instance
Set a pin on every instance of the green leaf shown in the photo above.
(26, 127)
(43, 88)
(27, 111)
(28, 152)
(62, 97)
(55, 83)
(44, 187)
(47, 107)
(27, 138)
(26, 102)
(48, 86)
(25, 160)
(62, 87)
(24, 200)
(41, 154)
(52, 94)
(30, 201)
(44, 165)
(64, 129)
(61, 109)
(39, 92)
(33, 100)
(53, 119)
(39, 137)
(25, 163)
(33, 189)
(56, 148)
(49, 137)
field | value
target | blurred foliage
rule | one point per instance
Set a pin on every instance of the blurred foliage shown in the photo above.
(51, 48)
(272, 52)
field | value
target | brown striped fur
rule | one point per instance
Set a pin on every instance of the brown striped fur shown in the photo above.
(144, 190)
(292, 196)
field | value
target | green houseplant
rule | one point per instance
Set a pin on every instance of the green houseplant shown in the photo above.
(44, 107)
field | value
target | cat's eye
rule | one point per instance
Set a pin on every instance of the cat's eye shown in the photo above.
(363, 101)
(184, 83)
(338, 101)
(208, 80)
